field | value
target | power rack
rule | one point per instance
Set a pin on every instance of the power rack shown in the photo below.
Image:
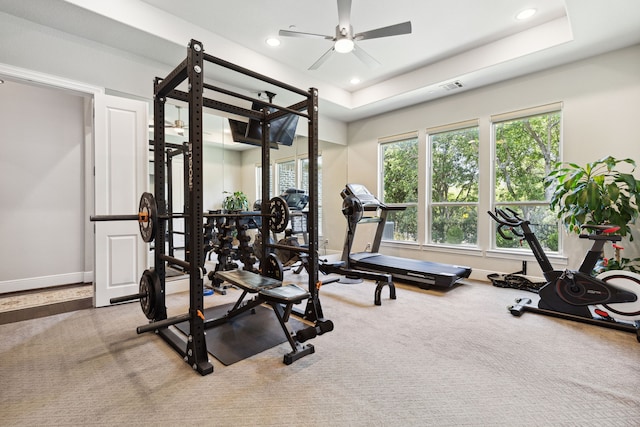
(153, 215)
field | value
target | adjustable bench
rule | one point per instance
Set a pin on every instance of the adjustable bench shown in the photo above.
(281, 298)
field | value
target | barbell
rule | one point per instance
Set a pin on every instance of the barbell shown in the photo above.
(148, 217)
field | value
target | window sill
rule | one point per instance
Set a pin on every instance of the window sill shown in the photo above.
(460, 250)
(523, 255)
(451, 249)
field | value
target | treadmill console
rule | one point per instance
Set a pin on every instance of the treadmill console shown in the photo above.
(364, 195)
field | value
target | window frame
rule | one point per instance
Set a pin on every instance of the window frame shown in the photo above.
(452, 127)
(382, 142)
(494, 121)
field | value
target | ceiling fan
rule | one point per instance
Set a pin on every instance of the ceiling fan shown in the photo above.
(177, 125)
(345, 40)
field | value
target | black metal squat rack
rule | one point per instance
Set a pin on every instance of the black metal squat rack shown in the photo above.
(153, 215)
(192, 70)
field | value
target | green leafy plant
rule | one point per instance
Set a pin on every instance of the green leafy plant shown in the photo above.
(236, 201)
(596, 193)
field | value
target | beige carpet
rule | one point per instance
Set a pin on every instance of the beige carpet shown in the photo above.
(454, 358)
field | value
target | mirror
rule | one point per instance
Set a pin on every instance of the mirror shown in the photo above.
(231, 166)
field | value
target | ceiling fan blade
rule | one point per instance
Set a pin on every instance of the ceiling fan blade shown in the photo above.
(365, 57)
(287, 33)
(391, 30)
(344, 13)
(322, 59)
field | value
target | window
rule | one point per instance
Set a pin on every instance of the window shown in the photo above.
(399, 183)
(289, 177)
(285, 175)
(453, 198)
(526, 146)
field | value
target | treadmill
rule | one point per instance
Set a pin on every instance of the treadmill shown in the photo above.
(424, 274)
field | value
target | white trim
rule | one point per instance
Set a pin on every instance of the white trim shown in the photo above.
(451, 249)
(481, 275)
(555, 259)
(88, 277)
(30, 283)
(454, 126)
(527, 112)
(22, 74)
(399, 137)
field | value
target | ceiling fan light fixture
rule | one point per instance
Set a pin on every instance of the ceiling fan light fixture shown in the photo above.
(343, 45)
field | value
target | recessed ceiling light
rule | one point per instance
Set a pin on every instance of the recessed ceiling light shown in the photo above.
(273, 42)
(354, 81)
(525, 14)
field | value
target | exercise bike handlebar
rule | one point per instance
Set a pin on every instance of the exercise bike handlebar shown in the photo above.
(510, 220)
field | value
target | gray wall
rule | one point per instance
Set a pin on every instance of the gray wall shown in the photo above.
(601, 98)
(42, 213)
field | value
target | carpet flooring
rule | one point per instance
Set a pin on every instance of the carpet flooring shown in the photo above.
(429, 358)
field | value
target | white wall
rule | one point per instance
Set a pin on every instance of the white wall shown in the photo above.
(42, 213)
(601, 110)
(221, 171)
(46, 50)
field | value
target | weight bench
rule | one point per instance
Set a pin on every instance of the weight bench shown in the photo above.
(278, 296)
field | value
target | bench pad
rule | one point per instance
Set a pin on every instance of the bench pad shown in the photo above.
(248, 281)
(285, 294)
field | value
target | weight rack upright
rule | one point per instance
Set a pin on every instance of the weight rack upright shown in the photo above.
(191, 71)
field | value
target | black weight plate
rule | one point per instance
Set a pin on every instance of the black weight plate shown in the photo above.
(151, 292)
(148, 209)
(257, 245)
(272, 267)
(278, 214)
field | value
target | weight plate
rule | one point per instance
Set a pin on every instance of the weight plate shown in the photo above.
(151, 292)
(278, 214)
(148, 217)
(257, 245)
(272, 267)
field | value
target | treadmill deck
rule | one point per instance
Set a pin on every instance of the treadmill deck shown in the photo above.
(422, 273)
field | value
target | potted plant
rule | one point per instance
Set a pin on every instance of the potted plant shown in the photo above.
(236, 201)
(596, 193)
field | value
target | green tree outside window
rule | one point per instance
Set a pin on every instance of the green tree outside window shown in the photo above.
(454, 187)
(526, 150)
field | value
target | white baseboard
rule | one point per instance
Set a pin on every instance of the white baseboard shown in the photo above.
(481, 275)
(42, 282)
(88, 277)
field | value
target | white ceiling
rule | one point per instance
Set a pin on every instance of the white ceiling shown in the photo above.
(475, 42)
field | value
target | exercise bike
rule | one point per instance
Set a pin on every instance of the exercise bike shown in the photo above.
(609, 299)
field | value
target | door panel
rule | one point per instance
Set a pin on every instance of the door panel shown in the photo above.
(120, 160)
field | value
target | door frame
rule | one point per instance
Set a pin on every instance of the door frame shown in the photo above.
(90, 93)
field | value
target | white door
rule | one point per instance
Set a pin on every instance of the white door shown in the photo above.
(121, 159)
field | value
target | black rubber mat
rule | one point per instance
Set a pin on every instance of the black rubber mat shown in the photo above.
(245, 335)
